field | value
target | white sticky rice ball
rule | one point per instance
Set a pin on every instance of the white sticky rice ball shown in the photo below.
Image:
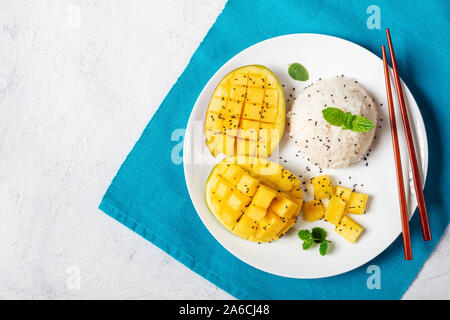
(322, 143)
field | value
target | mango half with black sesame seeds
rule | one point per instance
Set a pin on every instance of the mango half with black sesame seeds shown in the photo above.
(246, 113)
(256, 199)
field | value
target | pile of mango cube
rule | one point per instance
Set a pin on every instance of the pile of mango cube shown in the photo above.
(342, 201)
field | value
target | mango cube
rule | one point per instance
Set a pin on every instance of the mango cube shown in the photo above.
(238, 93)
(216, 204)
(313, 210)
(233, 174)
(283, 206)
(230, 216)
(357, 203)
(223, 189)
(335, 210)
(247, 185)
(251, 111)
(322, 187)
(256, 212)
(249, 130)
(349, 229)
(246, 226)
(239, 79)
(217, 104)
(343, 193)
(287, 226)
(263, 197)
(271, 224)
(237, 201)
(255, 95)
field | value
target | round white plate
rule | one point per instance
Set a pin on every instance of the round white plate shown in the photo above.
(323, 56)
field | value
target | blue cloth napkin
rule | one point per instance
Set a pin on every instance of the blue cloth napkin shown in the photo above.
(149, 195)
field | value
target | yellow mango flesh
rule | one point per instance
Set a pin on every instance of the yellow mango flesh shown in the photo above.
(313, 210)
(349, 229)
(335, 210)
(246, 113)
(357, 203)
(322, 187)
(256, 199)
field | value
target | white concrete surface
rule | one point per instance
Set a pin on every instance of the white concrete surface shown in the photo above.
(79, 80)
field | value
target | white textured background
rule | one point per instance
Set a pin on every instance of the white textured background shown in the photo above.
(79, 80)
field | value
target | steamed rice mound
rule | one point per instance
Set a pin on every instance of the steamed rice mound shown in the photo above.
(323, 144)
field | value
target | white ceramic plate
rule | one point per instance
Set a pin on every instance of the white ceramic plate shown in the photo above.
(323, 56)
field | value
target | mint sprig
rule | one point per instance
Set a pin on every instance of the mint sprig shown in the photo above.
(298, 72)
(346, 120)
(317, 235)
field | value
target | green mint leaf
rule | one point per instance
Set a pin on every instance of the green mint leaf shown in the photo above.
(298, 72)
(318, 234)
(348, 121)
(323, 248)
(361, 124)
(304, 234)
(307, 244)
(334, 116)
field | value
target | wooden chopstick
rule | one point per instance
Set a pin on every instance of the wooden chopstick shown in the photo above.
(411, 150)
(398, 162)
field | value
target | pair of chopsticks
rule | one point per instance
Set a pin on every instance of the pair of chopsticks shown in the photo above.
(411, 151)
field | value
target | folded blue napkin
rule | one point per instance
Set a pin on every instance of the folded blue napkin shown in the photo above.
(149, 195)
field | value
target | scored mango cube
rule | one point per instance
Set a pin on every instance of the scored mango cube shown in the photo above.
(214, 182)
(230, 216)
(247, 185)
(223, 189)
(237, 93)
(246, 226)
(269, 114)
(233, 110)
(252, 111)
(238, 79)
(263, 197)
(283, 206)
(233, 174)
(270, 225)
(255, 95)
(216, 204)
(349, 229)
(236, 202)
(214, 121)
(357, 203)
(271, 170)
(313, 210)
(322, 187)
(218, 104)
(251, 129)
(244, 161)
(335, 210)
(256, 212)
(271, 98)
(257, 80)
